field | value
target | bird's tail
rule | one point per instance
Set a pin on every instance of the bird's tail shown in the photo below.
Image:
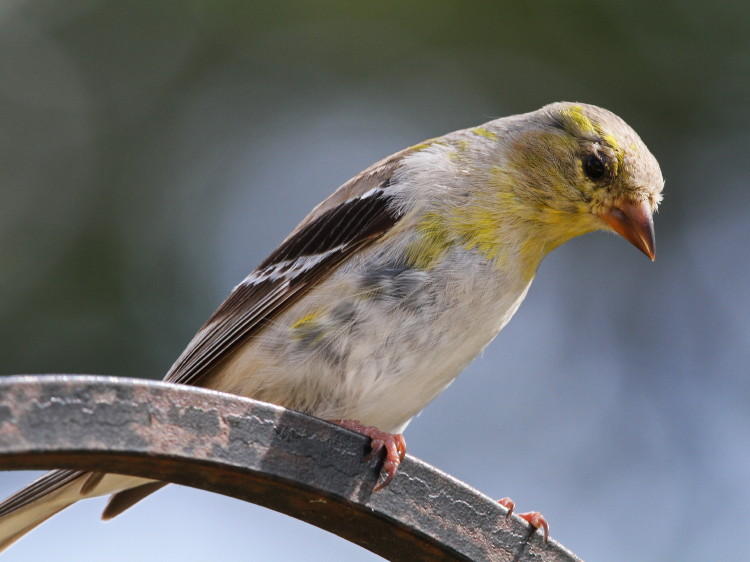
(52, 493)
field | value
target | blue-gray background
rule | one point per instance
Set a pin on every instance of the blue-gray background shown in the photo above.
(151, 153)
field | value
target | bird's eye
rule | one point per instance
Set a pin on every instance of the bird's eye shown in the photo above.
(594, 166)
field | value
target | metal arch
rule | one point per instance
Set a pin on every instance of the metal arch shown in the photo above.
(261, 453)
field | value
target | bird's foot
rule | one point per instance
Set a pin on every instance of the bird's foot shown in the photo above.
(393, 443)
(534, 518)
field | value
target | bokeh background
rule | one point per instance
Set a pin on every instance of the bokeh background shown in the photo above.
(151, 153)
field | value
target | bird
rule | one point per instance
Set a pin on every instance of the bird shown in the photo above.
(393, 284)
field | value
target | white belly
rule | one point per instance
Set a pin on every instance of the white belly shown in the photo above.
(378, 347)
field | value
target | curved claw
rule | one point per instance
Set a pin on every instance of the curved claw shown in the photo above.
(393, 443)
(533, 518)
(508, 504)
(537, 520)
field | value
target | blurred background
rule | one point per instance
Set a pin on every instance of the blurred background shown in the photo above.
(152, 153)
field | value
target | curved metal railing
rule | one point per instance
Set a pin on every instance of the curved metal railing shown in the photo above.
(261, 453)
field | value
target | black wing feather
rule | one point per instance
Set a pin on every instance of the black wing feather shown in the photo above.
(39, 488)
(326, 241)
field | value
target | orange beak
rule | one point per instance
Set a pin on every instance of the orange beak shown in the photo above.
(635, 223)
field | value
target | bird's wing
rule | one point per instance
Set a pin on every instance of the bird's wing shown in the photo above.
(353, 217)
(357, 214)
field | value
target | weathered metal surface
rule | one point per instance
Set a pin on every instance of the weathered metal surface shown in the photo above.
(264, 454)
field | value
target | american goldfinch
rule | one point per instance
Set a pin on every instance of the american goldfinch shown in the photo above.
(392, 285)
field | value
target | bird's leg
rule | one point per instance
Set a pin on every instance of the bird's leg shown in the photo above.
(393, 443)
(534, 518)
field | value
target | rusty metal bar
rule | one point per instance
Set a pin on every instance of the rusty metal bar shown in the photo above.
(257, 452)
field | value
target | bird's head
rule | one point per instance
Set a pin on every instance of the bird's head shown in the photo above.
(580, 168)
